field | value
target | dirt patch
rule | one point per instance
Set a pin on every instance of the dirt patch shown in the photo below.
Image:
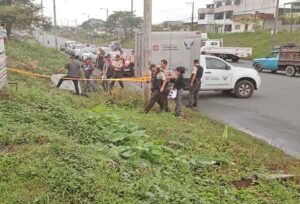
(243, 183)
(10, 148)
(4, 95)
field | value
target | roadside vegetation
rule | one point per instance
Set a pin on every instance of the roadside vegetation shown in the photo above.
(56, 147)
(261, 42)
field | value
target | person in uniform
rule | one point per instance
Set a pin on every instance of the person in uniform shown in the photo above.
(73, 68)
(179, 86)
(117, 71)
(169, 76)
(195, 84)
(158, 83)
(88, 68)
(107, 73)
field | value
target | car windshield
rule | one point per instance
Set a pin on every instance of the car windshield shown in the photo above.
(273, 55)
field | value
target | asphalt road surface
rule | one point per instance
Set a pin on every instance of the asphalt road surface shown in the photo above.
(272, 114)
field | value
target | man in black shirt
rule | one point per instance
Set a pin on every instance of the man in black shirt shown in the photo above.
(195, 84)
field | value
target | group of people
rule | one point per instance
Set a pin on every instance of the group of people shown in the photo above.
(105, 67)
(163, 80)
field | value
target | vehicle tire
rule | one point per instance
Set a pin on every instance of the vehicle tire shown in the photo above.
(290, 71)
(235, 59)
(244, 89)
(258, 67)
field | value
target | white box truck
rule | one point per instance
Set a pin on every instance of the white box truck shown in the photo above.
(181, 48)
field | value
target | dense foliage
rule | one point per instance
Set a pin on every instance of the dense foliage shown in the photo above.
(56, 147)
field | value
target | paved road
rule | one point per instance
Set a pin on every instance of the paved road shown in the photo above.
(272, 114)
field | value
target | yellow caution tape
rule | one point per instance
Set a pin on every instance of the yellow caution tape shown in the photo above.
(145, 79)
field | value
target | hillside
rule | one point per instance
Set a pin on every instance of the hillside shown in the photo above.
(56, 147)
(261, 42)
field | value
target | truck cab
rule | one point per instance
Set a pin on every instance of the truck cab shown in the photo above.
(269, 63)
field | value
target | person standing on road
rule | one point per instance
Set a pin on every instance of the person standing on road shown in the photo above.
(107, 73)
(88, 68)
(73, 68)
(158, 83)
(169, 76)
(195, 84)
(117, 71)
(179, 86)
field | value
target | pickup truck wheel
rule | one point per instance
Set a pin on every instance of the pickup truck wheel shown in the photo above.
(290, 71)
(258, 67)
(244, 89)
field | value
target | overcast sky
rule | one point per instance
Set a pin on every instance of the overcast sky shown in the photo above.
(163, 10)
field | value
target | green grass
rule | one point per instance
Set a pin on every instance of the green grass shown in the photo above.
(261, 42)
(59, 148)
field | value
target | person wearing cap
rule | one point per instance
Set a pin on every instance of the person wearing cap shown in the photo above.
(117, 71)
(73, 68)
(88, 68)
(158, 83)
(107, 73)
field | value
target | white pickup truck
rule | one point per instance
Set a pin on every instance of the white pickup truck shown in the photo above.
(215, 48)
(181, 48)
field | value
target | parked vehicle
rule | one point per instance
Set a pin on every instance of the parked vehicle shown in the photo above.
(115, 46)
(286, 58)
(216, 48)
(181, 48)
(87, 52)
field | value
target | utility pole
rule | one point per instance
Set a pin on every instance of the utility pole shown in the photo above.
(193, 13)
(147, 44)
(276, 19)
(131, 18)
(106, 12)
(42, 6)
(55, 24)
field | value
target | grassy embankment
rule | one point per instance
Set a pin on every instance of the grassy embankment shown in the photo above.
(59, 148)
(261, 42)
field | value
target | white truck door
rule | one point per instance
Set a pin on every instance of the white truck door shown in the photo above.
(217, 74)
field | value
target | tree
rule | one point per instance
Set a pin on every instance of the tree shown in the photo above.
(93, 24)
(292, 19)
(21, 14)
(121, 22)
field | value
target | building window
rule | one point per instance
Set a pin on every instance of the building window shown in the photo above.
(218, 4)
(228, 28)
(229, 14)
(237, 27)
(228, 2)
(219, 16)
(237, 2)
(201, 16)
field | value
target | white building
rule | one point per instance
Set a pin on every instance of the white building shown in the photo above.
(236, 15)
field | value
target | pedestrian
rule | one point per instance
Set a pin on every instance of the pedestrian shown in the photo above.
(169, 76)
(131, 60)
(158, 83)
(73, 68)
(195, 84)
(4, 30)
(100, 59)
(117, 71)
(179, 85)
(107, 73)
(88, 68)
